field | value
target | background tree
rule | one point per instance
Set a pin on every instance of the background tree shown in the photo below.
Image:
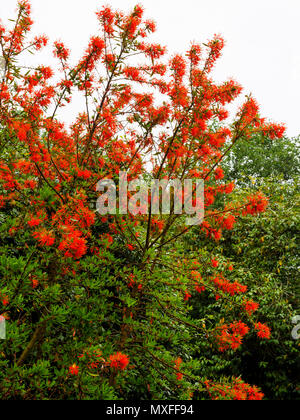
(264, 251)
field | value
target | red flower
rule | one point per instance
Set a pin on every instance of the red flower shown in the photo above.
(178, 65)
(231, 336)
(4, 93)
(257, 204)
(97, 44)
(44, 237)
(200, 289)
(5, 300)
(34, 282)
(132, 73)
(217, 234)
(34, 222)
(263, 331)
(74, 370)
(73, 245)
(40, 41)
(119, 361)
(251, 307)
(238, 390)
(151, 25)
(178, 363)
(195, 54)
(61, 51)
(47, 72)
(229, 222)
(219, 173)
(227, 287)
(214, 263)
(106, 17)
(229, 188)
(85, 174)
(187, 296)
(274, 131)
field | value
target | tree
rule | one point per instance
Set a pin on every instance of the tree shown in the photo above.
(264, 252)
(253, 161)
(268, 246)
(97, 306)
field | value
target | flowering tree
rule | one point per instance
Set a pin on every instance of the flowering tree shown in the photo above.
(98, 306)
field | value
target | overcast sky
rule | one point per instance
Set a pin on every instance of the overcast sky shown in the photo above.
(262, 40)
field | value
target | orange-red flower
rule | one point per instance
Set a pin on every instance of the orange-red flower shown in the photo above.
(263, 331)
(251, 307)
(119, 361)
(44, 237)
(74, 369)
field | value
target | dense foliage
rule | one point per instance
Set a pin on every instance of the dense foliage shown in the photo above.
(264, 251)
(100, 306)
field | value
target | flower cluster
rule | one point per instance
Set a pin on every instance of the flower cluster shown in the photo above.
(74, 369)
(238, 390)
(178, 363)
(250, 307)
(231, 336)
(118, 361)
(226, 286)
(263, 331)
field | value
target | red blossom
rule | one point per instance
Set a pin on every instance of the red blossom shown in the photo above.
(44, 237)
(34, 222)
(74, 369)
(231, 336)
(256, 204)
(263, 331)
(40, 42)
(238, 390)
(73, 245)
(214, 263)
(187, 296)
(4, 299)
(219, 173)
(107, 17)
(229, 222)
(61, 51)
(119, 361)
(178, 363)
(251, 307)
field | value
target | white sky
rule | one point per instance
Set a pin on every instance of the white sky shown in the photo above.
(262, 51)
